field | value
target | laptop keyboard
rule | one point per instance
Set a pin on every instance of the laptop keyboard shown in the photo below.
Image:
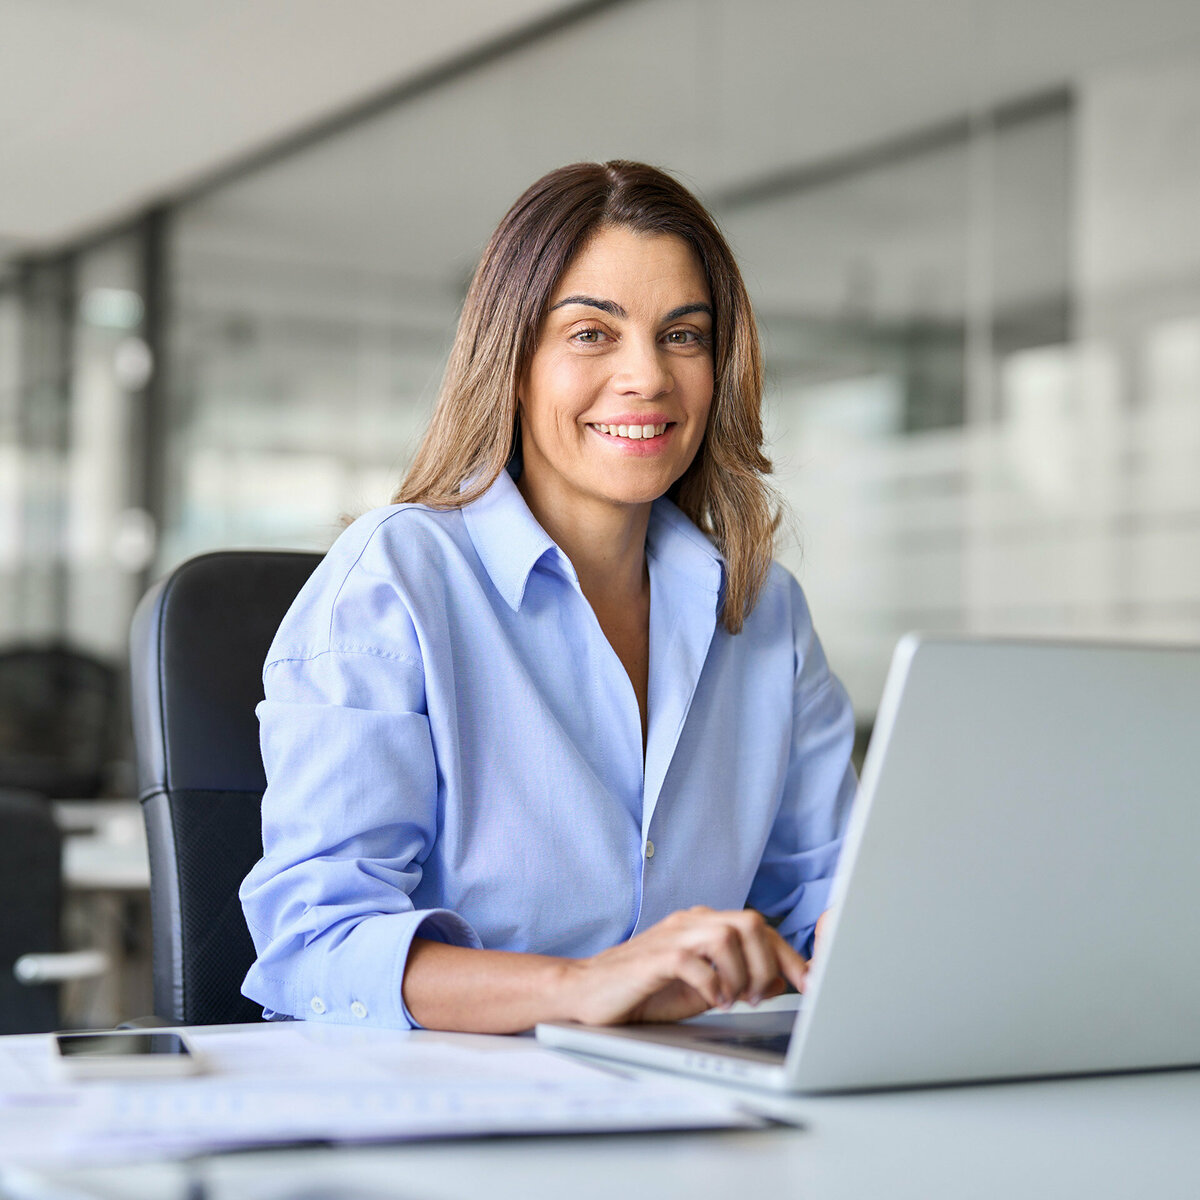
(772, 1043)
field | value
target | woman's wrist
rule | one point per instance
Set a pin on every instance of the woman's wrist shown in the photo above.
(488, 991)
(566, 989)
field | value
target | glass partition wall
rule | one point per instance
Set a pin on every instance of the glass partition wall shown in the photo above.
(968, 230)
(13, 518)
(75, 539)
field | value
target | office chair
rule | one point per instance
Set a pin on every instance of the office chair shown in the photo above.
(197, 647)
(57, 708)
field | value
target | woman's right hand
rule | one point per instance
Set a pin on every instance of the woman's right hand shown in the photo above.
(691, 961)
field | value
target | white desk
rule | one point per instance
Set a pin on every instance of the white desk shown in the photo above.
(1130, 1136)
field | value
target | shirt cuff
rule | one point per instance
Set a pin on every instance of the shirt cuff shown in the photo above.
(439, 925)
(352, 975)
(799, 926)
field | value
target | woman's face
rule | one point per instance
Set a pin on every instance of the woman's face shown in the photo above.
(615, 402)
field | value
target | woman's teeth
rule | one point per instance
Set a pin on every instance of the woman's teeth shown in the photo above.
(636, 432)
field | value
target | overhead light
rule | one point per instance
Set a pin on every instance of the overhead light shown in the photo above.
(112, 308)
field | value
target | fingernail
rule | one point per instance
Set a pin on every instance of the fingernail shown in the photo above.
(754, 1000)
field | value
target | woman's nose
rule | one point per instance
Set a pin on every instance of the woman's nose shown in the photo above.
(643, 369)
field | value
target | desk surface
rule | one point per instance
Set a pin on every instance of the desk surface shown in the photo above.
(1102, 1138)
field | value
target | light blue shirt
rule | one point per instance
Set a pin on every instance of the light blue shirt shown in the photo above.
(454, 749)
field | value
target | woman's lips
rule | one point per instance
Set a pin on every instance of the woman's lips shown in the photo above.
(642, 431)
(638, 439)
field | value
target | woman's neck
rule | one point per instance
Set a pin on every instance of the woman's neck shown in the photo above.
(605, 542)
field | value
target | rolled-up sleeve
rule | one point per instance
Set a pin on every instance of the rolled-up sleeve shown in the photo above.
(793, 882)
(349, 817)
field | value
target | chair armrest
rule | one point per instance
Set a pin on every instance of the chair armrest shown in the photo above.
(55, 968)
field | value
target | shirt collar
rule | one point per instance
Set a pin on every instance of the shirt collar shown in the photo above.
(675, 542)
(510, 543)
(508, 539)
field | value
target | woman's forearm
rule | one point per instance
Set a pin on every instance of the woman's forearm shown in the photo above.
(484, 991)
(687, 962)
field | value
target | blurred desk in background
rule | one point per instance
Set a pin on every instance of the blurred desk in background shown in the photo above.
(105, 845)
(106, 879)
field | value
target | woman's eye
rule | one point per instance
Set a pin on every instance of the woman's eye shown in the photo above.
(589, 337)
(682, 337)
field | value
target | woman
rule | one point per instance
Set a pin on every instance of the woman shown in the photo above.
(540, 742)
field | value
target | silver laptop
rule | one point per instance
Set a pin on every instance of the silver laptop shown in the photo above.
(1019, 891)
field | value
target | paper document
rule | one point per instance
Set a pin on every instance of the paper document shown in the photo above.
(299, 1082)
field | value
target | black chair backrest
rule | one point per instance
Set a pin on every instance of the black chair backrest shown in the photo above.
(30, 899)
(199, 640)
(57, 708)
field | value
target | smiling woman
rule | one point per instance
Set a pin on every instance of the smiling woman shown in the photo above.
(615, 400)
(551, 737)
(475, 428)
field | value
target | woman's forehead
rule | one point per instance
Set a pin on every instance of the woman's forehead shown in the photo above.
(633, 268)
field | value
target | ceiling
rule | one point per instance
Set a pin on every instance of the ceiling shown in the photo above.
(107, 106)
(728, 95)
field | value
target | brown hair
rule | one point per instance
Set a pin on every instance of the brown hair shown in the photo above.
(474, 431)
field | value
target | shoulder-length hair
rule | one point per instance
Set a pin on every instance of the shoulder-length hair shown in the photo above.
(474, 430)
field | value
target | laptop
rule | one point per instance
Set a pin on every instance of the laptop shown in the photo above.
(1019, 890)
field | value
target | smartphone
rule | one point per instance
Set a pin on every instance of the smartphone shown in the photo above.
(124, 1054)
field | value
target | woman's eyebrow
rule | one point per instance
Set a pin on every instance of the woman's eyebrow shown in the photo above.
(684, 309)
(616, 310)
(609, 306)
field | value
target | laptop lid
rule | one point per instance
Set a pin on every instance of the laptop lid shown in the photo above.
(1019, 892)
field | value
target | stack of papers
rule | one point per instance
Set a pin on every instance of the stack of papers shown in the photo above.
(294, 1083)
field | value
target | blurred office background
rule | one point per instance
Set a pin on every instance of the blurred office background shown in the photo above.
(234, 238)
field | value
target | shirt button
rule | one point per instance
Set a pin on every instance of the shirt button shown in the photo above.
(649, 848)
(317, 1005)
(359, 1009)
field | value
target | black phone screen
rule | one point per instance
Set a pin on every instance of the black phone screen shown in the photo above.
(120, 1045)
